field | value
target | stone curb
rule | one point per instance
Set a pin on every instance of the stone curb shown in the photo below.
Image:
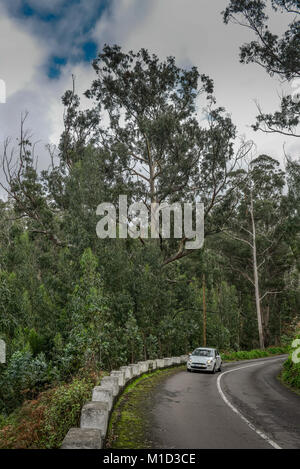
(95, 414)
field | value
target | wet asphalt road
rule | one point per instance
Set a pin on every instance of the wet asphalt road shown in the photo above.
(189, 412)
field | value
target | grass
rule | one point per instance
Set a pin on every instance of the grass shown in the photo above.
(290, 374)
(284, 383)
(128, 427)
(43, 423)
(252, 354)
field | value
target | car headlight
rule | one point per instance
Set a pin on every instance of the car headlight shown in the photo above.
(208, 362)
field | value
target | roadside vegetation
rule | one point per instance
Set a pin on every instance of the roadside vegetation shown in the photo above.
(43, 422)
(128, 427)
(252, 354)
(70, 300)
(153, 132)
(291, 371)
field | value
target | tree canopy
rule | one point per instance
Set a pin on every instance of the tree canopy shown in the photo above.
(278, 55)
(70, 301)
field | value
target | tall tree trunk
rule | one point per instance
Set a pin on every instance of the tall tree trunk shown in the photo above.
(204, 311)
(255, 274)
(266, 322)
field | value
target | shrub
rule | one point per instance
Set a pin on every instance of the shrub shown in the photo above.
(252, 354)
(63, 411)
(44, 422)
(291, 371)
(24, 376)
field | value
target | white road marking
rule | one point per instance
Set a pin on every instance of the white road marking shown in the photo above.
(234, 409)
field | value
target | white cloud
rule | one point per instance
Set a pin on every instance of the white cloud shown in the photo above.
(84, 74)
(20, 55)
(193, 31)
(22, 59)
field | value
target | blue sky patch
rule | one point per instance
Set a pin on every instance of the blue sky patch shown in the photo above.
(54, 66)
(90, 50)
(27, 10)
(67, 26)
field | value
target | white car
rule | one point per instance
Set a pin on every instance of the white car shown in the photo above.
(204, 358)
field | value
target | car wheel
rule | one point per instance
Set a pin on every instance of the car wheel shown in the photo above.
(213, 370)
(220, 368)
(188, 370)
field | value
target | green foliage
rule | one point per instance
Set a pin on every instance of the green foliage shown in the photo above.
(63, 411)
(278, 55)
(24, 376)
(70, 301)
(291, 371)
(36, 342)
(128, 427)
(252, 354)
(44, 422)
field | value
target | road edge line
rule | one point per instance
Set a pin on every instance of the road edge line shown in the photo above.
(235, 410)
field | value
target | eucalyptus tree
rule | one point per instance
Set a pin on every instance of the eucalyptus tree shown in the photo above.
(147, 135)
(278, 55)
(292, 206)
(258, 224)
(146, 119)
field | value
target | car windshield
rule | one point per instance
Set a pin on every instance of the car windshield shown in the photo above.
(200, 352)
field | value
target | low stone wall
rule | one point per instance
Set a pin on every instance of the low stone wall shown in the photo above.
(95, 414)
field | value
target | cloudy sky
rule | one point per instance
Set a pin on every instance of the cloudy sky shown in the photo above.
(44, 42)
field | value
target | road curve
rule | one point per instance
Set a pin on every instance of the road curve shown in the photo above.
(244, 407)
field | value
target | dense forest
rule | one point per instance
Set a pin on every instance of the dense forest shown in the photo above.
(155, 133)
